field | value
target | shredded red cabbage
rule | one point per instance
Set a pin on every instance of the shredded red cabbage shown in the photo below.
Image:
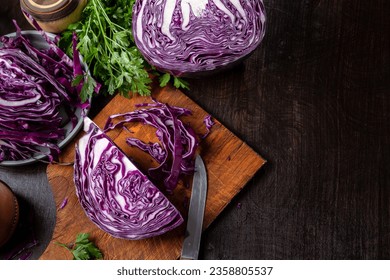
(63, 203)
(177, 139)
(36, 96)
(209, 123)
(153, 149)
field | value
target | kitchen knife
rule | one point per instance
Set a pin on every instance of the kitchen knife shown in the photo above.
(193, 234)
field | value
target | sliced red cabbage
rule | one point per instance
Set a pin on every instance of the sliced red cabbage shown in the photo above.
(63, 203)
(177, 139)
(192, 37)
(209, 123)
(36, 97)
(115, 194)
(153, 149)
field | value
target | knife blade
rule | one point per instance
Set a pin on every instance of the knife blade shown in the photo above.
(193, 234)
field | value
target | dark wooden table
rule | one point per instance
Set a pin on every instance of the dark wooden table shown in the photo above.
(314, 100)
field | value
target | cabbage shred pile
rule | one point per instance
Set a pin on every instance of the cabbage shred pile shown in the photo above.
(177, 145)
(36, 97)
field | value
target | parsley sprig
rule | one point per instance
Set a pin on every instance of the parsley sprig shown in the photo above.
(83, 248)
(108, 48)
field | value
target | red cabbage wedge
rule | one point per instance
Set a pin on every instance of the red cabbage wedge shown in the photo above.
(115, 194)
(196, 37)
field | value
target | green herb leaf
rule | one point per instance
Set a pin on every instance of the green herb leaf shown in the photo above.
(80, 253)
(77, 80)
(95, 252)
(83, 248)
(164, 79)
(180, 83)
(88, 88)
(82, 238)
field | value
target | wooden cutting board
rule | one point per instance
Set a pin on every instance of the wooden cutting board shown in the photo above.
(230, 164)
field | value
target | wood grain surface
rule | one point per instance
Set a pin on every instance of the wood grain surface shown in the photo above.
(230, 164)
(314, 100)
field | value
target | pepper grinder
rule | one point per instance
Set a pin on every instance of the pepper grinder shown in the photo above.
(9, 213)
(53, 16)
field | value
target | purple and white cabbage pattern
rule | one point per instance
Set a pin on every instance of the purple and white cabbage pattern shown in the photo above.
(115, 194)
(186, 37)
(36, 96)
(177, 145)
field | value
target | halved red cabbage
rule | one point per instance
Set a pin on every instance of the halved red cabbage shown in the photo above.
(115, 194)
(187, 37)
